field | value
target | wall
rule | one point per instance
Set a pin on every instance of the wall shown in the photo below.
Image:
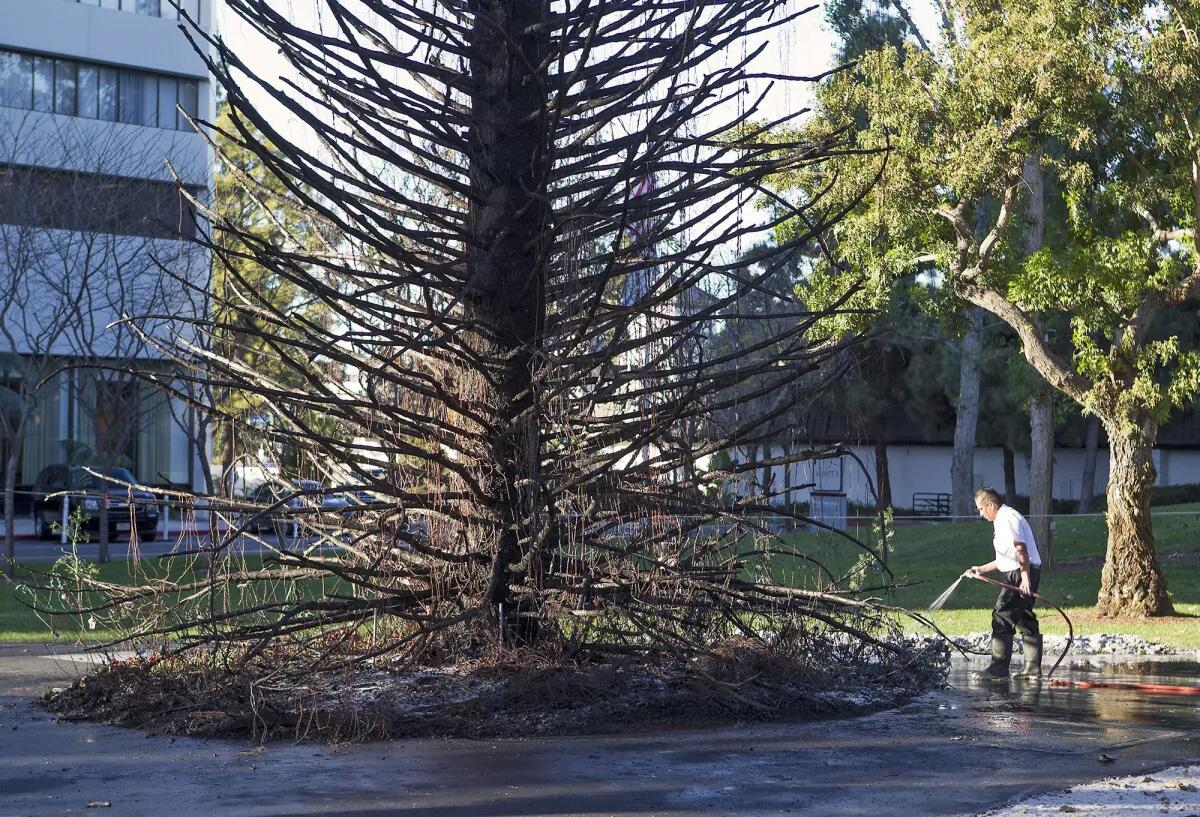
(101, 35)
(926, 469)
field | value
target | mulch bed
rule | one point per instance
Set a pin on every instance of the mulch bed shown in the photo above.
(496, 698)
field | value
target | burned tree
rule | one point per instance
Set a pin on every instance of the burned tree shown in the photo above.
(519, 222)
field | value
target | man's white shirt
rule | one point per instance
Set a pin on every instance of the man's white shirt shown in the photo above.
(1008, 528)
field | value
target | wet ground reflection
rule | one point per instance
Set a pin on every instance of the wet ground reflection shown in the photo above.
(1040, 702)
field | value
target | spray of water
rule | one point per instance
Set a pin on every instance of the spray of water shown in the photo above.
(947, 593)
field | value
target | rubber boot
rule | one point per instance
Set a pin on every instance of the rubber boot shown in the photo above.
(1001, 656)
(1031, 645)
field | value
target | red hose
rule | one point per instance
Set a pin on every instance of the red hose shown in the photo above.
(1155, 689)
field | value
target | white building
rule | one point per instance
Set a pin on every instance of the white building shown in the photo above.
(91, 223)
(919, 468)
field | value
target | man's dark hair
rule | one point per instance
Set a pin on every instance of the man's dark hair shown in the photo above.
(989, 495)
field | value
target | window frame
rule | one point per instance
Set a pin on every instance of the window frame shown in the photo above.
(44, 90)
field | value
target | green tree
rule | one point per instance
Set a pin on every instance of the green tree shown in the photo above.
(948, 136)
(247, 297)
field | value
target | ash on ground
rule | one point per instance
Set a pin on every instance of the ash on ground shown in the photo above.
(1174, 791)
(511, 695)
(1097, 644)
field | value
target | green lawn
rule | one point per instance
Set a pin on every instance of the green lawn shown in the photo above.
(928, 558)
(19, 623)
(925, 559)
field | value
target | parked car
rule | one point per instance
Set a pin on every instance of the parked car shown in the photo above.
(88, 491)
(303, 493)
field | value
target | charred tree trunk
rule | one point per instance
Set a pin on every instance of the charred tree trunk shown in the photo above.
(1087, 480)
(505, 300)
(1132, 583)
(1041, 468)
(962, 470)
(882, 475)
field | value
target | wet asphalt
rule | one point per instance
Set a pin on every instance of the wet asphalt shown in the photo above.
(958, 751)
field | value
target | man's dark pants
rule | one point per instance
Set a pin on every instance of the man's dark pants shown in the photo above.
(1014, 611)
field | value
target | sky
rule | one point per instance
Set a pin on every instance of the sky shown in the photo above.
(803, 47)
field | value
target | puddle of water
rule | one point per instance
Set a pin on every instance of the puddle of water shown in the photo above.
(1113, 709)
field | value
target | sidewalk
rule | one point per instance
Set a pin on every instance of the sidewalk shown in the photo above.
(169, 526)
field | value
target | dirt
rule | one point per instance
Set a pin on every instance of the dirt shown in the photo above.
(486, 699)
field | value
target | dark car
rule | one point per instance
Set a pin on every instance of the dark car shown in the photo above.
(292, 498)
(87, 491)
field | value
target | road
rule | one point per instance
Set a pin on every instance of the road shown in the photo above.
(957, 751)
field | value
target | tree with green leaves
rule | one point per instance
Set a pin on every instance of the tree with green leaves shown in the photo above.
(245, 296)
(947, 136)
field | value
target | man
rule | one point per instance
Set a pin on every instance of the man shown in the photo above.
(1018, 559)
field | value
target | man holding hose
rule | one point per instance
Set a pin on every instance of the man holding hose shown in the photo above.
(1018, 559)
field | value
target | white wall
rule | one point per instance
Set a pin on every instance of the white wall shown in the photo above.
(68, 297)
(926, 469)
(97, 146)
(101, 35)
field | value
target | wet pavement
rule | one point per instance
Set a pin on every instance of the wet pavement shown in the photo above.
(957, 751)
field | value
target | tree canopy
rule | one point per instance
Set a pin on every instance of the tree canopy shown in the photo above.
(1104, 89)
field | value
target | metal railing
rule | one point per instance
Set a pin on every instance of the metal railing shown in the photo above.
(931, 504)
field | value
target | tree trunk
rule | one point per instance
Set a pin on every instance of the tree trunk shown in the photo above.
(882, 476)
(10, 510)
(962, 469)
(228, 455)
(504, 302)
(1087, 487)
(767, 473)
(1041, 402)
(1010, 474)
(751, 473)
(1041, 468)
(1132, 583)
(103, 525)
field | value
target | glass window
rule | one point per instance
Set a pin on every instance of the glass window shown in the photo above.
(149, 7)
(65, 79)
(87, 91)
(111, 4)
(16, 80)
(43, 84)
(189, 100)
(139, 98)
(107, 105)
(149, 100)
(166, 102)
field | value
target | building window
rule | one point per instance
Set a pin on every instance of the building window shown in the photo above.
(88, 92)
(167, 91)
(16, 80)
(72, 88)
(153, 8)
(43, 84)
(189, 100)
(116, 421)
(107, 78)
(66, 77)
(91, 202)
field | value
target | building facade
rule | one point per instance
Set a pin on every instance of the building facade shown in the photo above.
(95, 143)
